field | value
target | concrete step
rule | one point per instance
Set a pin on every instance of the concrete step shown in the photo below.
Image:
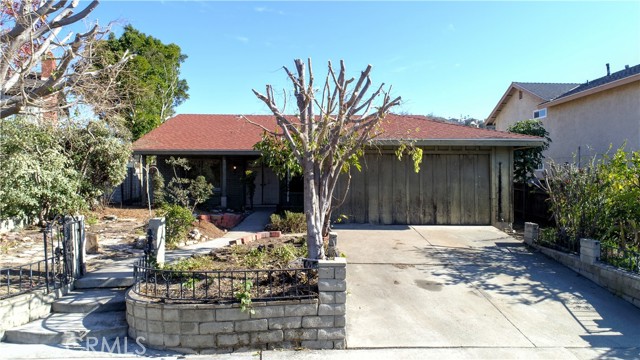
(70, 328)
(92, 282)
(90, 300)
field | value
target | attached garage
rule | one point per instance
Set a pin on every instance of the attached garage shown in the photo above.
(465, 177)
(451, 188)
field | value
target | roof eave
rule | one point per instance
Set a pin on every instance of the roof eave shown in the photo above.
(593, 90)
(193, 152)
(491, 119)
(463, 142)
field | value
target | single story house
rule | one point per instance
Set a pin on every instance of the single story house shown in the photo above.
(465, 176)
(583, 120)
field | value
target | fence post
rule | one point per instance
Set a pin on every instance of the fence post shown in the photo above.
(81, 246)
(589, 251)
(531, 231)
(157, 227)
(74, 229)
(332, 289)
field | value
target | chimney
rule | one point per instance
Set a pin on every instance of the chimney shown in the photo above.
(48, 66)
(608, 71)
(626, 67)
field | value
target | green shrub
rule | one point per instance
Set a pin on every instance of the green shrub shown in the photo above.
(159, 195)
(291, 222)
(600, 201)
(179, 221)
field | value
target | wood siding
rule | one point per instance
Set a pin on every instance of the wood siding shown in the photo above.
(451, 189)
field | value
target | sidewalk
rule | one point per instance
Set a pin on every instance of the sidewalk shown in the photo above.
(253, 223)
(24, 352)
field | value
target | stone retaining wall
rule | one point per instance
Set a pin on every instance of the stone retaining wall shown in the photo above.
(209, 328)
(22, 309)
(620, 282)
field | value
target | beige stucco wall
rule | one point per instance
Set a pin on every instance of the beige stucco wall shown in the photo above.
(517, 109)
(593, 123)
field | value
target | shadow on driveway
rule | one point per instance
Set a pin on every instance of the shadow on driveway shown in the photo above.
(474, 286)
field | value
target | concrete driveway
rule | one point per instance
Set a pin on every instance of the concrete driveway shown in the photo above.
(475, 287)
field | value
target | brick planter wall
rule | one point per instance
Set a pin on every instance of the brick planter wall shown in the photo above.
(210, 328)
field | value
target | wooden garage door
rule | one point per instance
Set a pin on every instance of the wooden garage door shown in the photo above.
(450, 189)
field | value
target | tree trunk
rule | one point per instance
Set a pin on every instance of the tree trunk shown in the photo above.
(312, 214)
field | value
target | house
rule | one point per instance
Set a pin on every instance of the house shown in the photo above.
(44, 110)
(465, 176)
(583, 120)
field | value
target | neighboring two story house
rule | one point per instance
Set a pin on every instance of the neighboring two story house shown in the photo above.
(583, 120)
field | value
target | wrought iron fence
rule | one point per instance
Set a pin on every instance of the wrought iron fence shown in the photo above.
(558, 241)
(55, 270)
(622, 258)
(223, 286)
(20, 279)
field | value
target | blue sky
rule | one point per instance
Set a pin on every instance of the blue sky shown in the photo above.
(449, 59)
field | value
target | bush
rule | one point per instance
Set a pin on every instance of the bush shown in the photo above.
(600, 201)
(291, 222)
(159, 195)
(179, 222)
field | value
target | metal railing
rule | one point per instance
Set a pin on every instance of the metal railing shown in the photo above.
(52, 272)
(223, 286)
(20, 279)
(621, 258)
(561, 243)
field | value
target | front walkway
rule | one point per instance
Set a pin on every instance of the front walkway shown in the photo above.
(252, 224)
(475, 287)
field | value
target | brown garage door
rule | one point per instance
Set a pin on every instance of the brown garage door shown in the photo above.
(450, 189)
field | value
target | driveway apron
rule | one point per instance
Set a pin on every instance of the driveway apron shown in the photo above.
(473, 286)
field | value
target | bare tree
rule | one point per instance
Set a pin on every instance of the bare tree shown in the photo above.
(42, 68)
(327, 132)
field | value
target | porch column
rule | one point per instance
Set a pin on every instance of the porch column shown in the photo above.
(146, 195)
(223, 197)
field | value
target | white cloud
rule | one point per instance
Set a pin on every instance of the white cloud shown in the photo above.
(451, 28)
(242, 39)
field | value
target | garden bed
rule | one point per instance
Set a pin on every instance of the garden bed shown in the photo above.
(266, 269)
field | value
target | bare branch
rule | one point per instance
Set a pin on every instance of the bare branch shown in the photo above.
(271, 132)
(70, 75)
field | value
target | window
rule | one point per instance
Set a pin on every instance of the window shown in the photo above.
(520, 95)
(539, 114)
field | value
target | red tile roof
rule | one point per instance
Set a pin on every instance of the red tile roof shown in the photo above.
(215, 133)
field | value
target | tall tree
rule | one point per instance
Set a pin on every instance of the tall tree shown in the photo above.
(43, 67)
(150, 81)
(332, 125)
(526, 161)
(98, 153)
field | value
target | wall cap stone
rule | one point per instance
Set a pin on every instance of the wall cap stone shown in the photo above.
(338, 261)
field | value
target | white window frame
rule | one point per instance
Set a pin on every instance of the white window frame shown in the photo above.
(538, 113)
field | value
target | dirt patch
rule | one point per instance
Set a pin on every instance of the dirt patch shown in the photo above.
(139, 214)
(121, 234)
(209, 230)
(117, 229)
